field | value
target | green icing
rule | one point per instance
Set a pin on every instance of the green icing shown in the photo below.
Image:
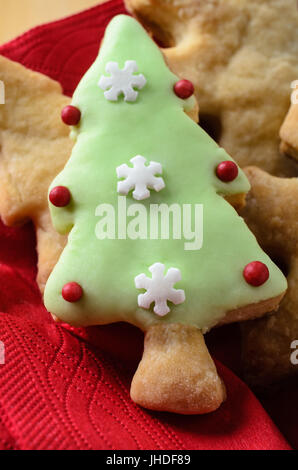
(155, 126)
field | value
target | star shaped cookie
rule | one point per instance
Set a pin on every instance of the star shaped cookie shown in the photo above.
(271, 213)
(242, 58)
(34, 146)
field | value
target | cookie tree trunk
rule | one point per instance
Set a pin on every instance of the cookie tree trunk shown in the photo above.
(176, 372)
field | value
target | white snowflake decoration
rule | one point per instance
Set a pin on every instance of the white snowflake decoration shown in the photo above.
(122, 81)
(160, 289)
(140, 177)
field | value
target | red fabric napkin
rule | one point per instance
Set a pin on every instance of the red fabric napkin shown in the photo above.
(66, 388)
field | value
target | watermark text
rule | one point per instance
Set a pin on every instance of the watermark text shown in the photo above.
(294, 95)
(2, 353)
(294, 355)
(2, 92)
(157, 222)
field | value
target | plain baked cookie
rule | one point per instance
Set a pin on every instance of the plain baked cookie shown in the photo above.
(242, 57)
(34, 146)
(271, 212)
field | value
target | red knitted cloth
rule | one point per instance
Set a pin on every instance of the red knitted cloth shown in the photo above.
(64, 388)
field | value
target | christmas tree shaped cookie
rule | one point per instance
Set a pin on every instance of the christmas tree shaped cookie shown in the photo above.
(152, 241)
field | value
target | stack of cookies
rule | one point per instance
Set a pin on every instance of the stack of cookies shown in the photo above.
(241, 57)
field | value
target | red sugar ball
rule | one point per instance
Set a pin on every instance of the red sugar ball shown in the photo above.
(71, 115)
(227, 171)
(72, 292)
(256, 273)
(60, 196)
(184, 89)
